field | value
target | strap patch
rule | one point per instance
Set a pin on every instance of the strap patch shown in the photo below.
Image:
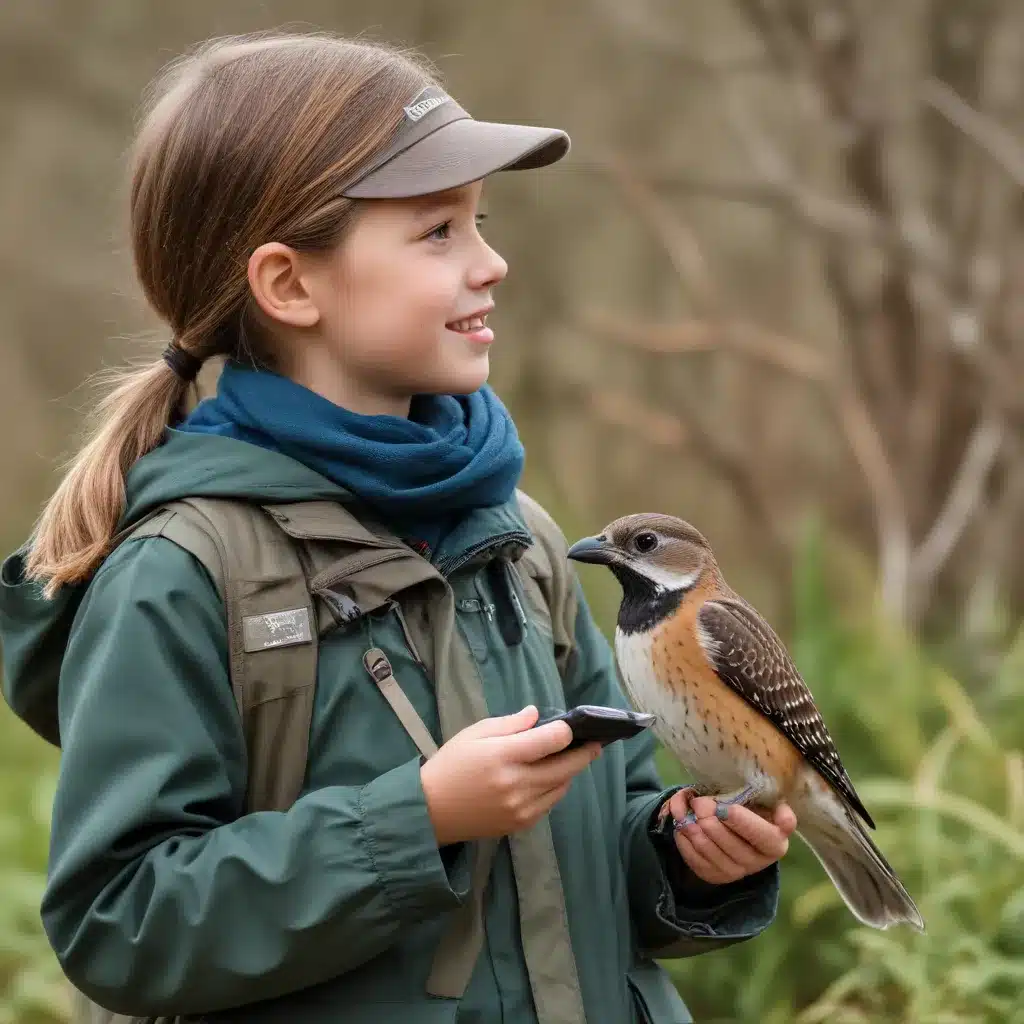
(276, 629)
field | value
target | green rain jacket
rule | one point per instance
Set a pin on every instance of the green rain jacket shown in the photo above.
(164, 897)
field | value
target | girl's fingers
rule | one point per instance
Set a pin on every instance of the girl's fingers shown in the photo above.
(545, 801)
(738, 850)
(703, 806)
(764, 836)
(785, 819)
(702, 843)
(746, 842)
(697, 862)
(557, 768)
(535, 742)
(679, 804)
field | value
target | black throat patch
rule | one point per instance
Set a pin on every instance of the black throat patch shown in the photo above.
(643, 604)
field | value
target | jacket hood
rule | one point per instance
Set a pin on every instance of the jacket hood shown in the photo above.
(34, 630)
(211, 466)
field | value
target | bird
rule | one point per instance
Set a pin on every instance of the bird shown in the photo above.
(731, 706)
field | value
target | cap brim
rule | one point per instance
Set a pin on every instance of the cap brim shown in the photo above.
(458, 153)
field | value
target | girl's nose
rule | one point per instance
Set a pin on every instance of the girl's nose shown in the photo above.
(489, 268)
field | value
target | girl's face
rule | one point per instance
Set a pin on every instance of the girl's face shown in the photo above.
(402, 305)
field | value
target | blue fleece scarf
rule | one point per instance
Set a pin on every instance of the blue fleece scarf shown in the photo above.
(421, 474)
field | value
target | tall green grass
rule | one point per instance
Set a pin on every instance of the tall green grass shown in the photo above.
(31, 986)
(943, 775)
(941, 771)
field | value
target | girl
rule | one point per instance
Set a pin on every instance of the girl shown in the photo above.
(307, 207)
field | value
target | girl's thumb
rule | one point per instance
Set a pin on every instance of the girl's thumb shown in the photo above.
(507, 725)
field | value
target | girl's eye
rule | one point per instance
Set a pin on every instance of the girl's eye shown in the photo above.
(444, 231)
(441, 232)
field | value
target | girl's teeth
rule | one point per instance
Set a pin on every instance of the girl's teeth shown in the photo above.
(475, 324)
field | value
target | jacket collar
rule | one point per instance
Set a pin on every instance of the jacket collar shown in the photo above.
(483, 534)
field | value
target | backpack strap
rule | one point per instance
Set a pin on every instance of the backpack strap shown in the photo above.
(272, 635)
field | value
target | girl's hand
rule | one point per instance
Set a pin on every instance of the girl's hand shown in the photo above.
(500, 776)
(726, 851)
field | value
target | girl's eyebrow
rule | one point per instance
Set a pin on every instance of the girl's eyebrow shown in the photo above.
(440, 201)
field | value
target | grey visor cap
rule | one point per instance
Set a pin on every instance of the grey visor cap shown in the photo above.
(439, 146)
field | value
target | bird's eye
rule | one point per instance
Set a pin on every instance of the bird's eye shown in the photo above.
(645, 542)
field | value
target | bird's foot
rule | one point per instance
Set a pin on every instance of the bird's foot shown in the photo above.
(666, 824)
(722, 803)
(692, 792)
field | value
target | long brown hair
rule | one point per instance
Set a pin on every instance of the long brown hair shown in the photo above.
(244, 140)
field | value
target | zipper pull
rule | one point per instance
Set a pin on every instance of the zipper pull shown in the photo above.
(485, 606)
(519, 607)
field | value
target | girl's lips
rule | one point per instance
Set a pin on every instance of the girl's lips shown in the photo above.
(481, 335)
(474, 328)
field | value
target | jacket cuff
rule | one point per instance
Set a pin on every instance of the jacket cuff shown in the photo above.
(399, 837)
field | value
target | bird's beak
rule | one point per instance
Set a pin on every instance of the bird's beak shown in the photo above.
(598, 550)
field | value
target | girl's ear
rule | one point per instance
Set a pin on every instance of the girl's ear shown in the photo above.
(277, 279)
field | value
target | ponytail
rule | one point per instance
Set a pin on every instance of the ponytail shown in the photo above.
(244, 140)
(78, 523)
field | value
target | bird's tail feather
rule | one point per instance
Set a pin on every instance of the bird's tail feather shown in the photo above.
(863, 877)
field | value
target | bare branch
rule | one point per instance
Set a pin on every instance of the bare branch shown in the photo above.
(678, 241)
(684, 428)
(642, 26)
(699, 336)
(768, 23)
(990, 136)
(862, 435)
(826, 215)
(962, 502)
(619, 409)
(892, 528)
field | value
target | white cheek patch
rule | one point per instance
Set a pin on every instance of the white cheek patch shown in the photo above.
(666, 580)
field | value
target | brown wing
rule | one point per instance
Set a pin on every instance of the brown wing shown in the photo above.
(744, 650)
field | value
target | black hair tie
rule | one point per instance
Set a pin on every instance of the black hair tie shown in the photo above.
(184, 364)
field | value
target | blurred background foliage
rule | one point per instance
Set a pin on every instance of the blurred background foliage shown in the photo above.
(776, 289)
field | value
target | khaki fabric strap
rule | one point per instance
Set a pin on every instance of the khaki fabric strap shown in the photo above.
(258, 572)
(379, 667)
(544, 925)
(547, 945)
(462, 941)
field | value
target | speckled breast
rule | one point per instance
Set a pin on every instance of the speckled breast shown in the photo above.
(714, 733)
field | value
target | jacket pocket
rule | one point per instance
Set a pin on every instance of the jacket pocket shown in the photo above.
(655, 998)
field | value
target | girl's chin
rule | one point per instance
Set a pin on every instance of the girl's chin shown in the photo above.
(466, 378)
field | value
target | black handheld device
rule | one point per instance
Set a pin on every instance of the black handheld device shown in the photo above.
(590, 722)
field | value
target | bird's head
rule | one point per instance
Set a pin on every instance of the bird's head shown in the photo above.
(651, 554)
